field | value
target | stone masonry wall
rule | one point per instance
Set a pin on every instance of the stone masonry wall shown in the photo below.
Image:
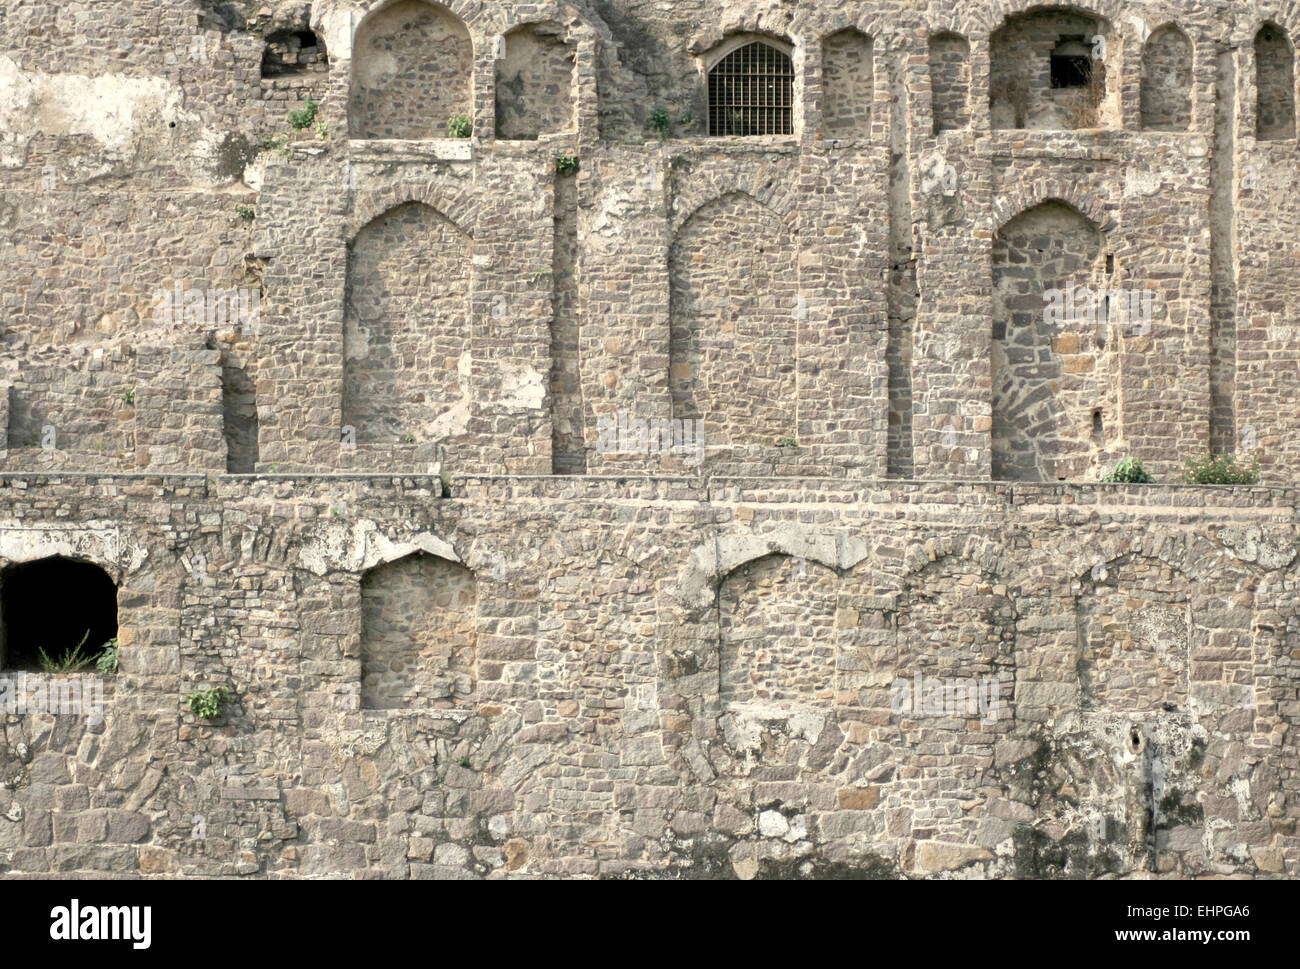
(900, 172)
(385, 431)
(654, 679)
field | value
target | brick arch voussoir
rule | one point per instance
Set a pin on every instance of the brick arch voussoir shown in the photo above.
(999, 11)
(769, 18)
(457, 209)
(947, 549)
(466, 11)
(503, 18)
(1251, 19)
(770, 191)
(1025, 197)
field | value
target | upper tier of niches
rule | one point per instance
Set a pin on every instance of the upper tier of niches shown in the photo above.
(418, 70)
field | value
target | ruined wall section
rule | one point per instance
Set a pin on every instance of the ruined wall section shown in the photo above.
(952, 176)
(1267, 290)
(749, 720)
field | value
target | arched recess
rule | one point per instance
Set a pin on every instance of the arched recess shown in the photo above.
(733, 345)
(776, 627)
(412, 71)
(1274, 84)
(1054, 69)
(952, 641)
(534, 83)
(293, 53)
(406, 338)
(1164, 624)
(1135, 627)
(419, 641)
(950, 82)
(55, 606)
(1167, 80)
(1054, 349)
(847, 84)
(751, 89)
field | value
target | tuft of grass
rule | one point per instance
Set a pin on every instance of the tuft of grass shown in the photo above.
(787, 442)
(459, 126)
(566, 165)
(245, 212)
(70, 662)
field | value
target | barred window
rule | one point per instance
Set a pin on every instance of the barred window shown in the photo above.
(751, 92)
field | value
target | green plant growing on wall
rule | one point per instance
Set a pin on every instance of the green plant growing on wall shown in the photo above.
(245, 212)
(1128, 471)
(207, 704)
(408, 438)
(322, 130)
(686, 120)
(107, 661)
(1222, 469)
(303, 118)
(787, 442)
(279, 145)
(566, 165)
(459, 126)
(128, 397)
(72, 661)
(661, 122)
(540, 275)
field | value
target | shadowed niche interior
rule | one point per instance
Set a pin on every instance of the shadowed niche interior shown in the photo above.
(54, 605)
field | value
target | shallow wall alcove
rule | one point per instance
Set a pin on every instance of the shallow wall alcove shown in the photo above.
(733, 340)
(534, 83)
(1167, 80)
(950, 82)
(412, 71)
(847, 84)
(1055, 387)
(418, 635)
(406, 336)
(1275, 84)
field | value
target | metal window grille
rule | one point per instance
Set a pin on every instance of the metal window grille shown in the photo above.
(751, 92)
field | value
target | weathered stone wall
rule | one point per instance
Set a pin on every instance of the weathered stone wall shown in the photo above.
(668, 667)
(651, 678)
(898, 171)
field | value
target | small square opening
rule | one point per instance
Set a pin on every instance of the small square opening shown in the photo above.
(1071, 63)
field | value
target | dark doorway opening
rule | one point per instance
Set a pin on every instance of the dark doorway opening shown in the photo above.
(52, 605)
